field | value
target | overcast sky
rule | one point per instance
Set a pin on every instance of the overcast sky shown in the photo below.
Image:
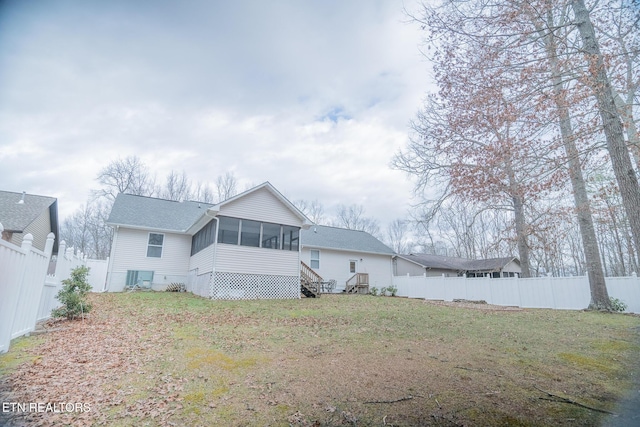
(313, 96)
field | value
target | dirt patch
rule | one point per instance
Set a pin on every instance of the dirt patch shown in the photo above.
(475, 305)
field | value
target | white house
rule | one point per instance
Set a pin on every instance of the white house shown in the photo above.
(347, 256)
(245, 247)
(436, 265)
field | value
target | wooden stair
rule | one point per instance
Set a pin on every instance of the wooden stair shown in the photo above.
(310, 281)
(358, 284)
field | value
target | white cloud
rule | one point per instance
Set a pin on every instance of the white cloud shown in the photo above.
(312, 96)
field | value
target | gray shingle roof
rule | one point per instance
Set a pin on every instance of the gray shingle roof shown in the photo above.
(152, 213)
(459, 264)
(320, 236)
(16, 216)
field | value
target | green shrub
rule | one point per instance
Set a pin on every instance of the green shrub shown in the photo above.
(373, 291)
(617, 305)
(392, 290)
(383, 292)
(73, 294)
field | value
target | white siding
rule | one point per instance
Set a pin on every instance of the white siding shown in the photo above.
(512, 267)
(261, 205)
(202, 261)
(39, 228)
(402, 267)
(335, 265)
(131, 254)
(248, 260)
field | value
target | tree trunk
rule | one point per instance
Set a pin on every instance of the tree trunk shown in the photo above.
(611, 122)
(521, 228)
(599, 295)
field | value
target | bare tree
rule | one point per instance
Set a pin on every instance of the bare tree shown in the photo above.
(86, 231)
(129, 175)
(226, 186)
(203, 192)
(610, 116)
(177, 187)
(352, 217)
(313, 210)
(534, 45)
(397, 236)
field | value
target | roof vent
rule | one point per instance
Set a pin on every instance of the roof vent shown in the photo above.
(21, 202)
(315, 229)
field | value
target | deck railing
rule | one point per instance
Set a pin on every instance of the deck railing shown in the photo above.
(356, 280)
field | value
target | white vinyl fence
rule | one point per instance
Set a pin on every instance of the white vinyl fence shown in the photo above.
(22, 273)
(570, 293)
(27, 294)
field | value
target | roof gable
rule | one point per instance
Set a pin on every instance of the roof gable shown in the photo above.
(157, 214)
(324, 237)
(241, 206)
(18, 210)
(185, 217)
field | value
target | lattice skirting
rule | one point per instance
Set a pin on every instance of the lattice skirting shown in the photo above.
(254, 286)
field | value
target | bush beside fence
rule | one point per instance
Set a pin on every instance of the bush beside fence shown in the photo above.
(27, 294)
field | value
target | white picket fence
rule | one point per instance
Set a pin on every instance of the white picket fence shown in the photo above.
(571, 293)
(27, 293)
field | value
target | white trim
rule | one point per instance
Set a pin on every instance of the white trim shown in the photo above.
(306, 222)
(155, 246)
(311, 259)
(151, 229)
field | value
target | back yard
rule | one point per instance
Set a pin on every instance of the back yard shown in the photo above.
(163, 359)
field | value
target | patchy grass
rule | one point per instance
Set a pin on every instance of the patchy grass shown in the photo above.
(161, 359)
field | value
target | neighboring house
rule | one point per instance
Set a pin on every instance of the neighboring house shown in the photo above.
(245, 247)
(340, 254)
(22, 213)
(435, 265)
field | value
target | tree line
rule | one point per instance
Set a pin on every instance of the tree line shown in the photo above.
(86, 228)
(531, 135)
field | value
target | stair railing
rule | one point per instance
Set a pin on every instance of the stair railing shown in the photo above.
(310, 278)
(355, 280)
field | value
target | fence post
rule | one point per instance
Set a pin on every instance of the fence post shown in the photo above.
(48, 246)
(27, 242)
(553, 292)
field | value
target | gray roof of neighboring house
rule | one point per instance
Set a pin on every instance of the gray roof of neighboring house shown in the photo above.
(458, 264)
(16, 216)
(152, 213)
(320, 236)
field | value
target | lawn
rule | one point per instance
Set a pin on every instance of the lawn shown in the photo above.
(163, 359)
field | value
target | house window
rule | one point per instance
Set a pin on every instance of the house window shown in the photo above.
(290, 238)
(250, 234)
(203, 238)
(154, 248)
(315, 259)
(229, 229)
(352, 266)
(139, 278)
(271, 236)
